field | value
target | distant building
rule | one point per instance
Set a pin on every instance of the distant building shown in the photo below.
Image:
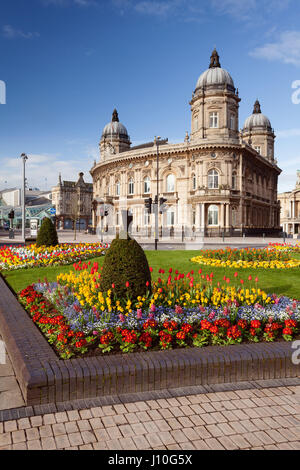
(73, 201)
(11, 197)
(38, 205)
(290, 209)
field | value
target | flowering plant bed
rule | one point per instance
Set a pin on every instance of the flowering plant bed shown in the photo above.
(268, 258)
(22, 257)
(285, 247)
(78, 319)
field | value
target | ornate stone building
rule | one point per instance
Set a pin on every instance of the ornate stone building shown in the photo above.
(219, 180)
(73, 201)
(290, 210)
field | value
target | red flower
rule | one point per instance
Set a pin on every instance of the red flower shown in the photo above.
(127, 284)
(214, 330)
(180, 335)
(287, 331)
(186, 327)
(290, 323)
(205, 325)
(233, 332)
(255, 324)
(242, 323)
(107, 338)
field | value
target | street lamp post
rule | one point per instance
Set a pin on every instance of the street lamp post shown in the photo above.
(24, 158)
(157, 141)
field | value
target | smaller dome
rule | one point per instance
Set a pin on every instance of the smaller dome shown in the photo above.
(115, 128)
(257, 119)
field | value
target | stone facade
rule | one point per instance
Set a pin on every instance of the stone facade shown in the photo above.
(290, 210)
(219, 180)
(73, 201)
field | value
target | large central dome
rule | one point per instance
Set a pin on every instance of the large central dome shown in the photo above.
(115, 128)
(215, 75)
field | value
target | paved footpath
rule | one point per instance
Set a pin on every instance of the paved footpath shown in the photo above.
(253, 418)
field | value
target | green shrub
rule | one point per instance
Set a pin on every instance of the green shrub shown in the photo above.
(126, 262)
(47, 235)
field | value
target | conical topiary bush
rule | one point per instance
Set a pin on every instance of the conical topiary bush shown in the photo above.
(126, 268)
(47, 235)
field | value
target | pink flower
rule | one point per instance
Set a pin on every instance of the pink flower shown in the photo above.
(152, 308)
(139, 313)
(211, 316)
(122, 318)
(178, 309)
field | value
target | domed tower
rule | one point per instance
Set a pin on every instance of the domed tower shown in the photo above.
(258, 133)
(215, 104)
(115, 138)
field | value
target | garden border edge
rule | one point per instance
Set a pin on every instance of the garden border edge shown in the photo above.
(44, 378)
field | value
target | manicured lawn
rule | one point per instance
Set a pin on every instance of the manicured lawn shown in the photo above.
(284, 282)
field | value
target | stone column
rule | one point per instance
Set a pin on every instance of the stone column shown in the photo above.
(228, 216)
(221, 221)
(202, 226)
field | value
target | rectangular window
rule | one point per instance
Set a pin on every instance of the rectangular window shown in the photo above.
(194, 217)
(232, 122)
(214, 120)
(258, 149)
(170, 218)
(146, 217)
(196, 123)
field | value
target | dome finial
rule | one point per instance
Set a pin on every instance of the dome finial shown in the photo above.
(115, 116)
(214, 60)
(256, 109)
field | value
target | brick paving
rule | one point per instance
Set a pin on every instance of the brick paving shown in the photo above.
(264, 418)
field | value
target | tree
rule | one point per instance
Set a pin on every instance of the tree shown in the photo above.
(47, 235)
(126, 268)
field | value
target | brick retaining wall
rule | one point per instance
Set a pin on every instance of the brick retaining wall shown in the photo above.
(44, 378)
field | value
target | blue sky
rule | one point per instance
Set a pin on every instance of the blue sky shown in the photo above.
(68, 63)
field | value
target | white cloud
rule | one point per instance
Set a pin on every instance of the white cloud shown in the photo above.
(194, 10)
(236, 8)
(156, 8)
(42, 170)
(288, 133)
(66, 3)
(286, 49)
(9, 32)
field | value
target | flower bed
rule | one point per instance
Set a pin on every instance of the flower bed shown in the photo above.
(287, 247)
(268, 258)
(22, 257)
(78, 319)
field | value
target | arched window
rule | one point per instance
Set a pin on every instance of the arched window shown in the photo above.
(118, 188)
(233, 183)
(213, 179)
(170, 183)
(147, 185)
(131, 186)
(213, 215)
(194, 181)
